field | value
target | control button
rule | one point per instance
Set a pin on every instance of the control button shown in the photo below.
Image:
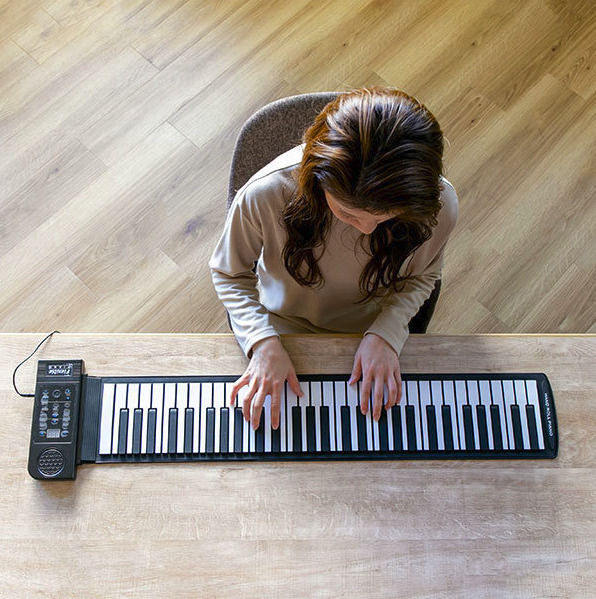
(64, 433)
(44, 401)
(56, 393)
(42, 433)
(66, 413)
(43, 417)
(67, 392)
(67, 404)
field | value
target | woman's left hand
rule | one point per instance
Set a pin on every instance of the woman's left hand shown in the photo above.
(377, 362)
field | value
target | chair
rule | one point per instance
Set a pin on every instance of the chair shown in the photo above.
(275, 129)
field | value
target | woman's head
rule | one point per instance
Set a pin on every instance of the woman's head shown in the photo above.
(375, 150)
(373, 157)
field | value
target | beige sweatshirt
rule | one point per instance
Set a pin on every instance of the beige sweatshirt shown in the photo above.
(271, 302)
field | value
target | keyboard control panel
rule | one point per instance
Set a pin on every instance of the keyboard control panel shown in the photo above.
(53, 445)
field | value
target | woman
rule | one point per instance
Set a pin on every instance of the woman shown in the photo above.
(348, 232)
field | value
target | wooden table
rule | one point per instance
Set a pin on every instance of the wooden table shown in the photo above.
(305, 529)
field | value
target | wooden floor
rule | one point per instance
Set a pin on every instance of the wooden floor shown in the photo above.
(118, 121)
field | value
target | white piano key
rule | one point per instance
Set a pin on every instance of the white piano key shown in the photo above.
(219, 401)
(402, 416)
(231, 417)
(107, 419)
(206, 402)
(496, 389)
(485, 400)
(328, 402)
(194, 402)
(303, 402)
(145, 405)
(521, 400)
(337, 403)
(390, 442)
(132, 402)
(424, 398)
(509, 400)
(290, 403)
(283, 421)
(267, 422)
(119, 404)
(532, 390)
(252, 439)
(474, 401)
(461, 399)
(368, 420)
(181, 404)
(157, 403)
(169, 401)
(436, 393)
(315, 398)
(354, 406)
(414, 400)
(449, 397)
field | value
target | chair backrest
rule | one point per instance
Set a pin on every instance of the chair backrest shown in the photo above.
(271, 131)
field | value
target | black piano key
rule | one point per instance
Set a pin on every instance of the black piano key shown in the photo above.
(173, 430)
(123, 431)
(431, 420)
(383, 433)
(346, 432)
(495, 418)
(189, 414)
(151, 425)
(276, 439)
(260, 434)
(447, 427)
(311, 439)
(136, 431)
(325, 435)
(296, 428)
(469, 428)
(517, 430)
(531, 415)
(224, 427)
(482, 427)
(411, 427)
(398, 442)
(238, 427)
(210, 431)
(361, 428)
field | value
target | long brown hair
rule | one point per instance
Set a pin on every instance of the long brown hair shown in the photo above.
(378, 150)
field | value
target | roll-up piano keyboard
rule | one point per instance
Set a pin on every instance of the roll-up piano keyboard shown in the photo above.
(81, 419)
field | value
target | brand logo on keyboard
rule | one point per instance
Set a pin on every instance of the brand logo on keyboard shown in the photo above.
(65, 369)
(549, 420)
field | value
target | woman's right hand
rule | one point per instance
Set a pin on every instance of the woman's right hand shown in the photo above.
(268, 370)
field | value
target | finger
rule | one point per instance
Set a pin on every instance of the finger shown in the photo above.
(295, 383)
(399, 385)
(256, 409)
(365, 395)
(241, 382)
(247, 400)
(391, 393)
(356, 371)
(275, 404)
(379, 388)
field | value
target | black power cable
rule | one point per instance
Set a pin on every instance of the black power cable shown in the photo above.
(14, 374)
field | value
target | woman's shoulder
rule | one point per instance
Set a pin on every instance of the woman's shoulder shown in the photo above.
(450, 203)
(275, 177)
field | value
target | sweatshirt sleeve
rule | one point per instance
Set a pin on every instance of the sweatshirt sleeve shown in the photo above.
(232, 273)
(425, 267)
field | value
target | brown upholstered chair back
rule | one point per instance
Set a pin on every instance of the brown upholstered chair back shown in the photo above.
(271, 131)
